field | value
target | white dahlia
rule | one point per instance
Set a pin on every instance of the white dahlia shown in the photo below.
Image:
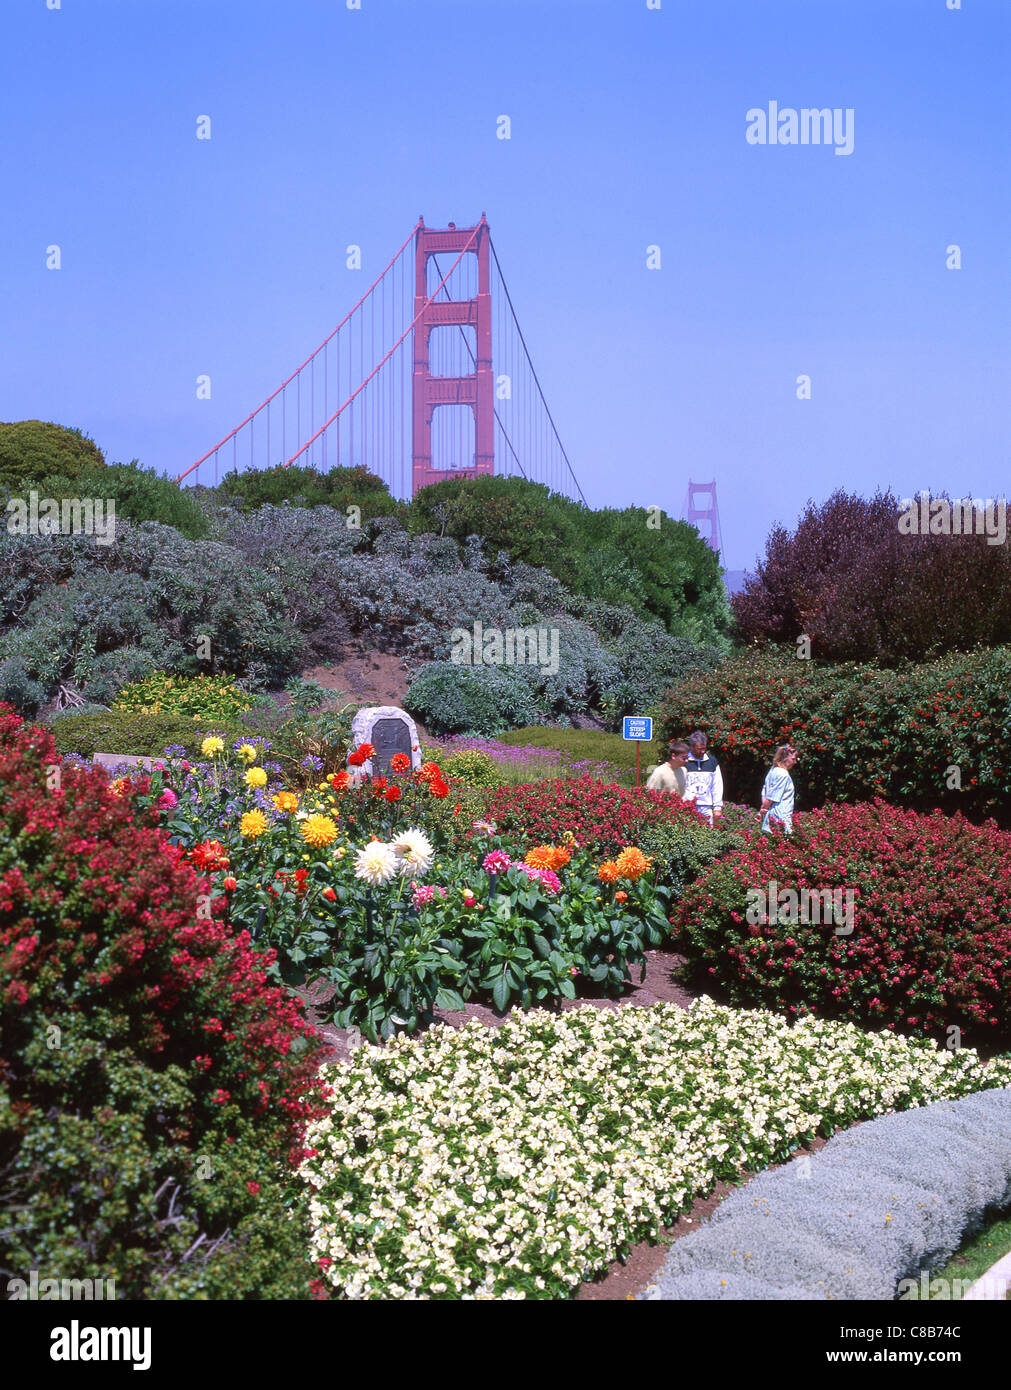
(414, 851)
(376, 863)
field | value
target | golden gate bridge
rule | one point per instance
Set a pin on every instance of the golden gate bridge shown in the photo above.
(427, 377)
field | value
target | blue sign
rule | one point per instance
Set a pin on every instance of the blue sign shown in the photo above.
(637, 727)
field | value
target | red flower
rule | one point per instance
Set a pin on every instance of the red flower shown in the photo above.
(230, 884)
(330, 895)
(392, 793)
(253, 1187)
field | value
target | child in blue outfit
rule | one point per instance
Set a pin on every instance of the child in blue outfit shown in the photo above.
(777, 792)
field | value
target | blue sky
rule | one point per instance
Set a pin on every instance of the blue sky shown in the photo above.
(334, 126)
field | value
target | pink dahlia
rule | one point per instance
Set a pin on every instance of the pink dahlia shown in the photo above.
(547, 878)
(496, 862)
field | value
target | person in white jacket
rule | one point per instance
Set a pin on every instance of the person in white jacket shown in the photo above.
(703, 778)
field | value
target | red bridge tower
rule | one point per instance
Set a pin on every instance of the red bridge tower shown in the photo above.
(476, 389)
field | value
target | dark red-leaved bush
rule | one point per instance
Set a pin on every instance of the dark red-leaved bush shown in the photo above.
(151, 1073)
(849, 579)
(930, 946)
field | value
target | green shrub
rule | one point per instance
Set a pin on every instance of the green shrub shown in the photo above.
(210, 697)
(138, 494)
(623, 557)
(684, 848)
(457, 699)
(38, 448)
(473, 767)
(74, 609)
(296, 486)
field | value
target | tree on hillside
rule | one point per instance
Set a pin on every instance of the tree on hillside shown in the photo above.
(341, 487)
(634, 557)
(37, 448)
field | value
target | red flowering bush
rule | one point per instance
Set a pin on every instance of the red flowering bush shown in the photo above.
(153, 1085)
(604, 818)
(861, 731)
(918, 936)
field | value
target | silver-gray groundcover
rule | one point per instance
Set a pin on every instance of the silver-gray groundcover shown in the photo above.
(879, 1203)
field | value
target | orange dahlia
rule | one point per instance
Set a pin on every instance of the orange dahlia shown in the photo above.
(632, 864)
(400, 762)
(541, 857)
(608, 872)
(286, 801)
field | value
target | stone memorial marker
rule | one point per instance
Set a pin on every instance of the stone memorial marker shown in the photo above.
(390, 730)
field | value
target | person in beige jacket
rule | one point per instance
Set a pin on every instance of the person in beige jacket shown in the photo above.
(670, 776)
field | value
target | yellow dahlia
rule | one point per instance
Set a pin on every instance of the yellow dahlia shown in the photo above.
(286, 801)
(212, 746)
(318, 831)
(247, 752)
(252, 824)
(256, 777)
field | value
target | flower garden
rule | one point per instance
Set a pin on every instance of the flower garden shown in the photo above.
(278, 1028)
(164, 921)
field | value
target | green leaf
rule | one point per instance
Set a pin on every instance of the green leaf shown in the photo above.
(449, 999)
(500, 993)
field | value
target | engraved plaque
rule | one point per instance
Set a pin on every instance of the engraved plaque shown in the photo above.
(389, 736)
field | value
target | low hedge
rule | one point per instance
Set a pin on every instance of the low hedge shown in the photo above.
(128, 731)
(208, 696)
(861, 731)
(929, 941)
(153, 1086)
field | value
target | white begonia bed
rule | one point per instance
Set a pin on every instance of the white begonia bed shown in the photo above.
(517, 1161)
